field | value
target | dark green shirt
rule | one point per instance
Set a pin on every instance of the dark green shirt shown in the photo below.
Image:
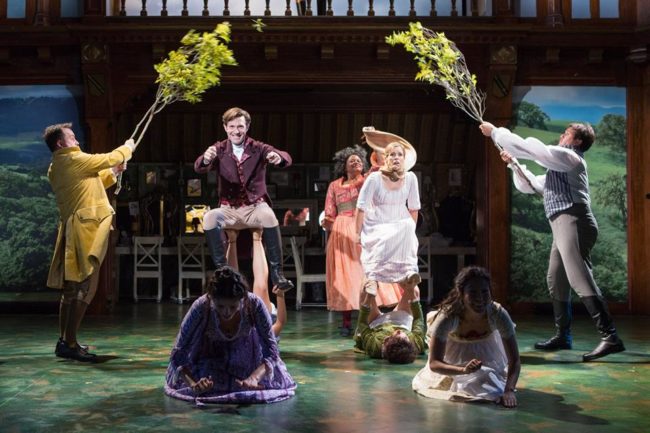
(370, 339)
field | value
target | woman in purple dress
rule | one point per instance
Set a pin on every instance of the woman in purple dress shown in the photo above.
(225, 351)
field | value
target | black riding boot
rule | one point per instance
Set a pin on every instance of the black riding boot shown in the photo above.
(273, 247)
(609, 343)
(214, 239)
(562, 338)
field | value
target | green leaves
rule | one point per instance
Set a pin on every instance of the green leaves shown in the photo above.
(195, 67)
(441, 63)
(258, 25)
(187, 73)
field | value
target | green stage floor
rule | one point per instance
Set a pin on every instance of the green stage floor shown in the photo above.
(339, 391)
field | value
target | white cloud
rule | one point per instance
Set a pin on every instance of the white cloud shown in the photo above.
(577, 96)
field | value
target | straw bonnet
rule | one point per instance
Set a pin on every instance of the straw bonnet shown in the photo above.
(378, 140)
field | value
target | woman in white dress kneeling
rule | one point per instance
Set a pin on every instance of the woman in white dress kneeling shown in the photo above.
(473, 353)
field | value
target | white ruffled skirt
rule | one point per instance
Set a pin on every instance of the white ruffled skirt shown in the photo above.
(487, 383)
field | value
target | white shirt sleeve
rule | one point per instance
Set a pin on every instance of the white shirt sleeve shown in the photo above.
(524, 178)
(413, 200)
(442, 325)
(501, 321)
(367, 191)
(555, 158)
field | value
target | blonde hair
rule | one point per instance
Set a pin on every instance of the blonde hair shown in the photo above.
(386, 168)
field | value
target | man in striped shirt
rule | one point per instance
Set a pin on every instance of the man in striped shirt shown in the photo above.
(565, 188)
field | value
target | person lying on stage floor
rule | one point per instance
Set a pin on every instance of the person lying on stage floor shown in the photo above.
(225, 351)
(260, 278)
(397, 336)
(473, 353)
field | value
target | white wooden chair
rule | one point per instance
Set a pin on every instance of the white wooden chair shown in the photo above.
(147, 263)
(288, 262)
(424, 264)
(191, 265)
(301, 277)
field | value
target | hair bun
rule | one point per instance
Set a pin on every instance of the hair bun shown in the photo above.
(224, 273)
(227, 282)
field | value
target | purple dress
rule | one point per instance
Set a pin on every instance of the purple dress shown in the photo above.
(205, 351)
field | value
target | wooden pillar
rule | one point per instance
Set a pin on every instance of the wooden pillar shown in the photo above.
(98, 116)
(94, 10)
(493, 223)
(552, 12)
(94, 7)
(42, 14)
(504, 10)
(638, 180)
(503, 7)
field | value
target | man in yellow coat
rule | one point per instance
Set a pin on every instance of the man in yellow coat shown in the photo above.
(79, 181)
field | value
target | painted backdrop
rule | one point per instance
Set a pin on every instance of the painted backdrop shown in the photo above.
(544, 112)
(28, 213)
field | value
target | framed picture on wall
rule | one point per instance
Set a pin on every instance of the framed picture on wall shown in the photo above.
(280, 178)
(455, 176)
(194, 187)
(272, 189)
(151, 177)
(449, 176)
(320, 187)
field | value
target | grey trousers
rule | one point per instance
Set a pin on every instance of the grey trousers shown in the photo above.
(574, 234)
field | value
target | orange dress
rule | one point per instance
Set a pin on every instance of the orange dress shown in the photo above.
(344, 274)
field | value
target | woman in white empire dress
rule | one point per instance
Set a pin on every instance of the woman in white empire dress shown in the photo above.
(387, 210)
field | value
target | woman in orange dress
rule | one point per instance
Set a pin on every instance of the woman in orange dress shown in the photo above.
(345, 276)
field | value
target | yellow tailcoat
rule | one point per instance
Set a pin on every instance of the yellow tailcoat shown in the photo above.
(79, 181)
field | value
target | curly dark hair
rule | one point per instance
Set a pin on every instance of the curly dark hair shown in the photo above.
(398, 350)
(54, 133)
(453, 304)
(341, 158)
(227, 283)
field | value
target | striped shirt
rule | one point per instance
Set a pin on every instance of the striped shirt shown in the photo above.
(565, 182)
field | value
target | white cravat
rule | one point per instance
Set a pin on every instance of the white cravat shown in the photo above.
(238, 150)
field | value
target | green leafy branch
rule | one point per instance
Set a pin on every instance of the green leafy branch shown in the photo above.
(187, 73)
(443, 64)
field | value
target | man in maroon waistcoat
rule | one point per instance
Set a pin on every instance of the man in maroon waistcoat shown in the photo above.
(244, 202)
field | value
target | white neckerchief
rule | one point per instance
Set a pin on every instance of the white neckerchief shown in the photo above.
(238, 150)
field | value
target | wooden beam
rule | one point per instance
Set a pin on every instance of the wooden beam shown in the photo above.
(638, 183)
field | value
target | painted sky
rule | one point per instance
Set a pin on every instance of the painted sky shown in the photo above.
(54, 91)
(278, 7)
(573, 95)
(574, 103)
